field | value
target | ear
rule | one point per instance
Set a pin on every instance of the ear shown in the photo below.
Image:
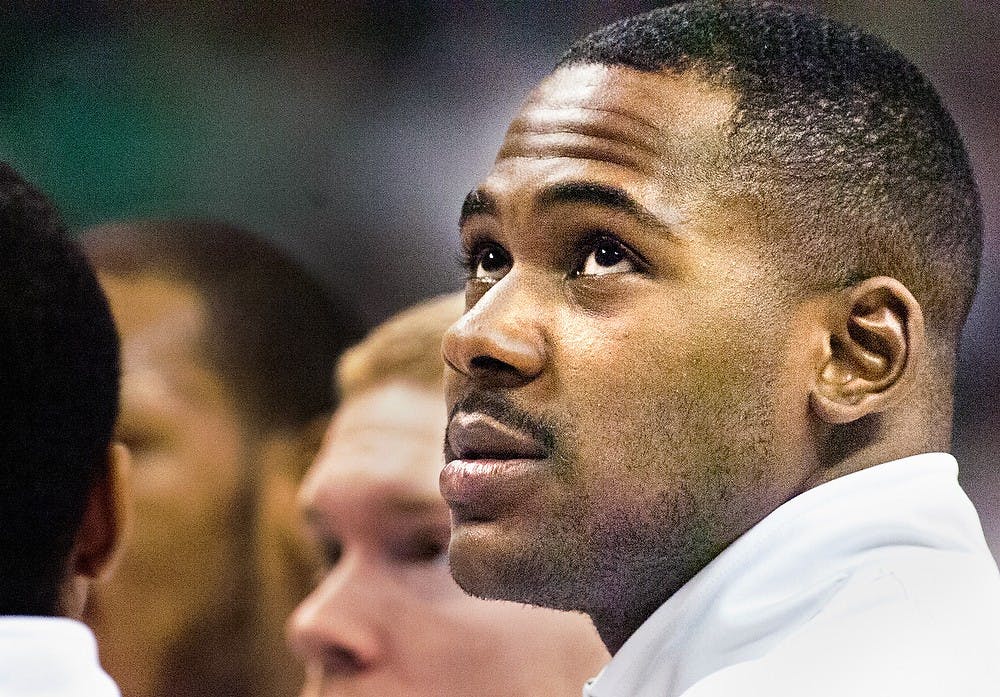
(873, 343)
(102, 530)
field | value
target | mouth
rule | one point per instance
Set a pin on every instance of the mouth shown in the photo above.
(489, 466)
(476, 436)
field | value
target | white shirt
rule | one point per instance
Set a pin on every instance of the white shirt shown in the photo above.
(50, 657)
(875, 584)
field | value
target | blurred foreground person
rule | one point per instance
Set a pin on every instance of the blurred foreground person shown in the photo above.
(702, 390)
(227, 349)
(387, 619)
(60, 475)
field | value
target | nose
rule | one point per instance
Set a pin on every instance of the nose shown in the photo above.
(500, 340)
(334, 630)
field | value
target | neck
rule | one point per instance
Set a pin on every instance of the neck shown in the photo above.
(614, 632)
(874, 439)
(617, 620)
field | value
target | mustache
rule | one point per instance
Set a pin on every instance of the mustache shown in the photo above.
(507, 413)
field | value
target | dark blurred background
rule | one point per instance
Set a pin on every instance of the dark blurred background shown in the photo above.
(350, 131)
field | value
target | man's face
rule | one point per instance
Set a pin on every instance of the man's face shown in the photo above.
(196, 561)
(623, 392)
(181, 564)
(386, 617)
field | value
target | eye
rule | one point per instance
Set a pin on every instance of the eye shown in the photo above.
(423, 548)
(330, 551)
(318, 556)
(606, 255)
(142, 432)
(488, 262)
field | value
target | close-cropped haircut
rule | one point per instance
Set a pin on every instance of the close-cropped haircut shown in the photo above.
(860, 168)
(406, 347)
(272, 332)
(58, 396)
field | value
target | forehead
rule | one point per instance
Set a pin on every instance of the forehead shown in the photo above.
(161, 322)
(635, 120)
(385, 441)
(155, 312)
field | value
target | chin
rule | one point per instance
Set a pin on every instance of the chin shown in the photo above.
(492, 561)
(476, 558)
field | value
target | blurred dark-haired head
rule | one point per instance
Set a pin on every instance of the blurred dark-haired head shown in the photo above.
(58, 396)
(270, 328)
(228, 348)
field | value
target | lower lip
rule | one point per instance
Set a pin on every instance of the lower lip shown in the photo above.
(479, 490)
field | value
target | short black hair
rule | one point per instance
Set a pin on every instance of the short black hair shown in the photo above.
(840, 130)
(273, 332)
(58, 396)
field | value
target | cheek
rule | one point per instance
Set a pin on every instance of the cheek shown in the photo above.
(186, 495)
(442, 641)
(430, 586)
(287, 562)
(445, 616)
(615, 367)
(466, 646)
(665, 401)
(196, 465)
(611, 374)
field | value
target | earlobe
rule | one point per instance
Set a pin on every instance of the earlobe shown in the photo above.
(105, 519)
(874, 340)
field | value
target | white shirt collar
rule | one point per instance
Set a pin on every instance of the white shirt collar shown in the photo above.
(50, 657)
(779, 573)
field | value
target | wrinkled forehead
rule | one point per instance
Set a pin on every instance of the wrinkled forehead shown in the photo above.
(382, 452)
(627, 117)
(392, 432)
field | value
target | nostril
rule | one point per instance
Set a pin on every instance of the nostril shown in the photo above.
(490, 371)
(488, 364)
(342, 661)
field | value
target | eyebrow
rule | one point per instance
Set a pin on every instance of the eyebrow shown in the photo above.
(603, 195)
(414, 505)
(477, 202)
(392, 505)
(480, 202)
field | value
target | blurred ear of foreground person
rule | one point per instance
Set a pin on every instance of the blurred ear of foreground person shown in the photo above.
(227, 349)
(387, 618)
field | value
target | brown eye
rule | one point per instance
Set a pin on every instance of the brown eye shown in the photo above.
(607, 256)
(423, 549)
(141, 442)
(491, 263)
(330, 551)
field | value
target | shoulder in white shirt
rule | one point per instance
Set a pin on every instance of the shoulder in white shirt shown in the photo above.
(876, 584)
(50, 657)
